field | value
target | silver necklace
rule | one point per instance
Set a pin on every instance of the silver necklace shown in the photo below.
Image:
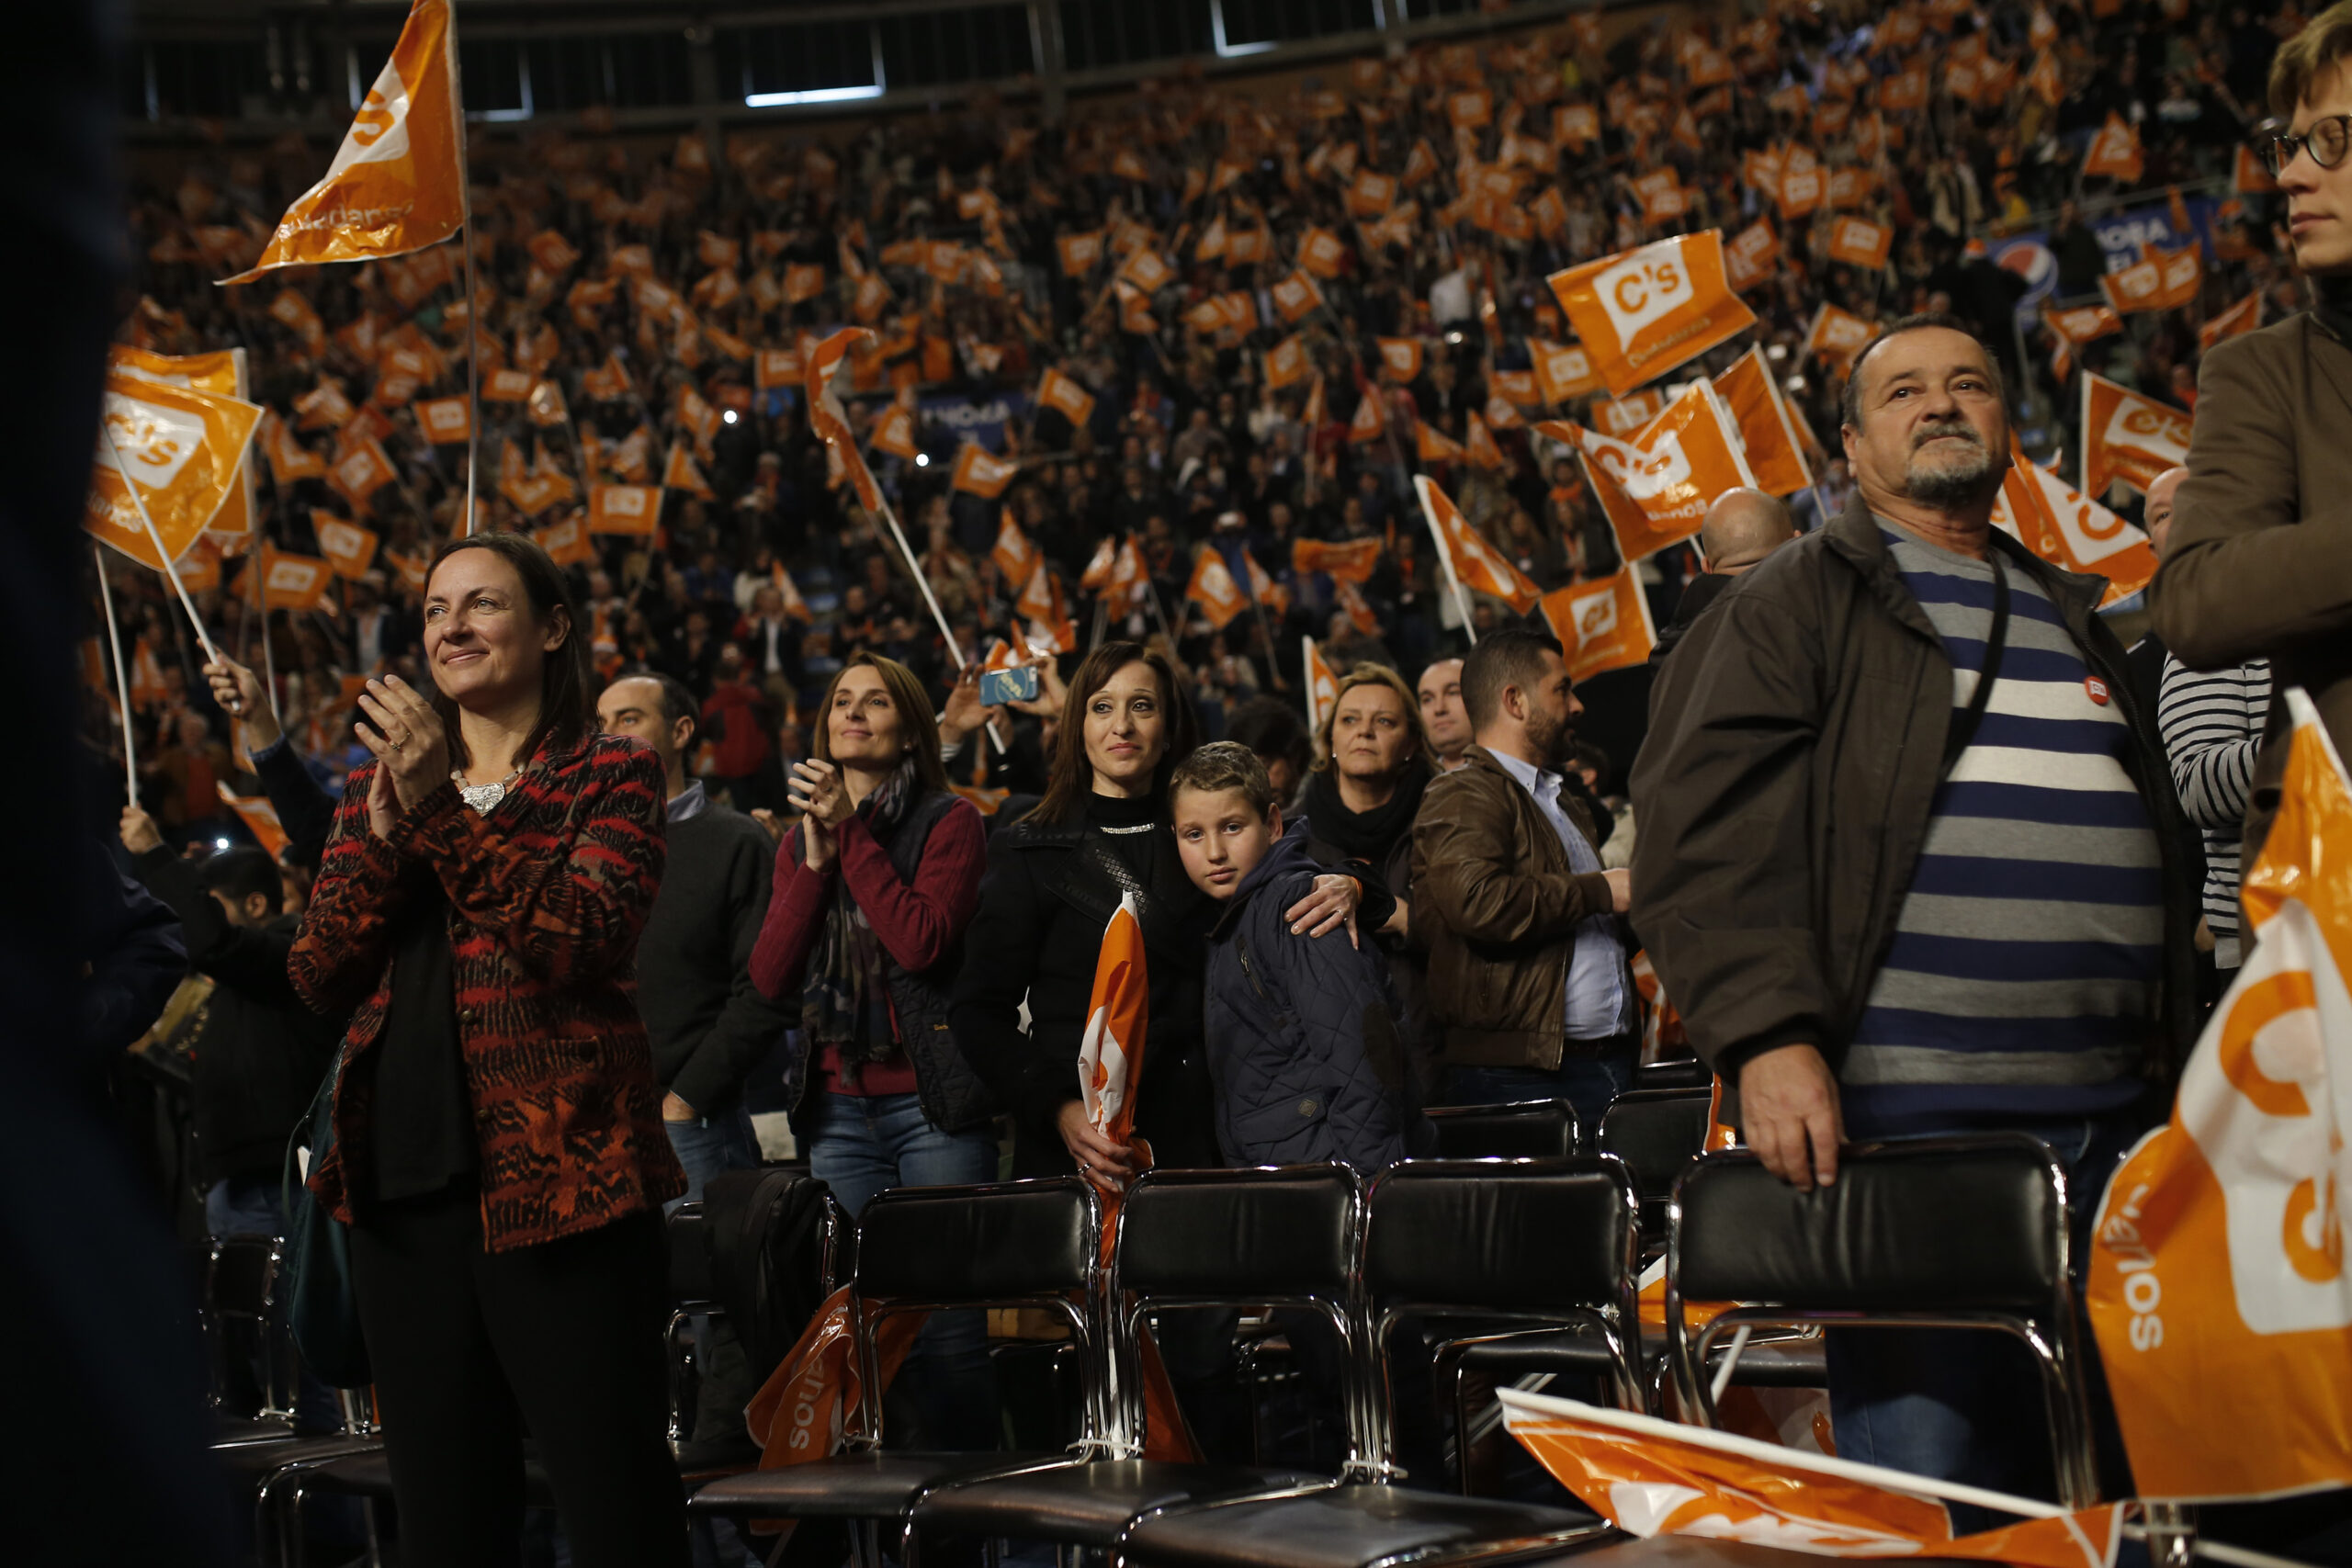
(483, 798)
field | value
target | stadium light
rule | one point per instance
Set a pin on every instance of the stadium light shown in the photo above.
(812, 96)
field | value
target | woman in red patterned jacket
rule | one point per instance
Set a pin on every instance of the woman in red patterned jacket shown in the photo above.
(499, 1149)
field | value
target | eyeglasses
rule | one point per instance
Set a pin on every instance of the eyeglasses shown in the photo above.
(2328, 139)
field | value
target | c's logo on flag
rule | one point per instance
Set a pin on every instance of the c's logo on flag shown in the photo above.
(1596, 615)
(1640, 290)
(1646, 476)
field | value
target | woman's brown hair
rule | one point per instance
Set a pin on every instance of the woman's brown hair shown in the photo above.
(1375, 675)
(916, 720)
(567, 711)
(1072, 778)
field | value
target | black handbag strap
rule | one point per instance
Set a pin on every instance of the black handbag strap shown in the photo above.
(1963, 728)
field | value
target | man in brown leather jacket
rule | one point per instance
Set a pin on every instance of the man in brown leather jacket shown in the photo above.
(1527, 979)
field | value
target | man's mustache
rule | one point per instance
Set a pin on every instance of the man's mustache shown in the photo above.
(1961, 428)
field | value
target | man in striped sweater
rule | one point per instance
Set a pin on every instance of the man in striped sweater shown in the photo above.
(1910, 863)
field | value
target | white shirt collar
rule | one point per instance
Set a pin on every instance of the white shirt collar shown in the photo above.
(1540, 782)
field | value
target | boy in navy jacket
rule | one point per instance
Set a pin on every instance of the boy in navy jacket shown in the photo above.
(1305, 1039)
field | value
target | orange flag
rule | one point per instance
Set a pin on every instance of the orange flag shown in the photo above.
(1431, 444)
(1563, 371)
(222, 372)
(2115, 151)
(1750, 254)
(1013, 554)
(291, 583)
(445, 422)
(2084, 324)
(1064, 395)
(2216, 1282)
(1656, 489)
(1602, 625)
(2070, 530)
(1110, 1053)
(396, 183)
(624, 509)
(1400, 357)
(259, 816)
(979, 473)
(2242, 317)
(567, 542)
(1861, 243)
(681, 472)
(1479, 443)
(1650, 1477)
(1470, 561)
(1836, 336)
(1775, 454)
(1296, 296)
(1079, 251)
(1351, 561)
(894, 432)
(1287, 362)
(182, 447)
(350, 548)
(1213, 589)
(1322, 686)
(829, 421)
(2127, 437)
(1642, 312)
(1370, 422)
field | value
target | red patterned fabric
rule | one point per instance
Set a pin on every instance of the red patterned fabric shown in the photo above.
(547, 897)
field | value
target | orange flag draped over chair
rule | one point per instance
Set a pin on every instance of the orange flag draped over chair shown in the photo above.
(2216, 1283)
(396, 183)
(1650, 1477)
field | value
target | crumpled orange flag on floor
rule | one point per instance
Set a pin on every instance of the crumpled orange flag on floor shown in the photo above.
(1650, 1477)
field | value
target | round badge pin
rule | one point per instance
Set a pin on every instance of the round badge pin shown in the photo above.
(2097, 689)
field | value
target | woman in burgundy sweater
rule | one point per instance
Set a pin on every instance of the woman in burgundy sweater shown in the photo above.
(865, 932)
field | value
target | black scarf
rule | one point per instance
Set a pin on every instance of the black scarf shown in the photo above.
(2332, 303)
(1367, 836)
(847, 1000)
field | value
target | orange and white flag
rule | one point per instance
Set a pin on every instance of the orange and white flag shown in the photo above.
(1287, 363)
(1836, 337)
(1351, 560)
(290, 581)
(1563, 371)
(2070, 530)
(1294, 297)
(350, 548)
(566, 542)
(1014, 556)
(979, 473)
(1110, 1052)
(396, 183)
(1370, 422)
(1322, 686)
(1470, 561)
(2127, 437)
(830, 420)
(624, 509)
(681, 472)
(2074, 328)
(1750, 256)
(1650, 1477)
(1214, 590)
(2115, 151)
(259, 816)
(182, 447)
(1861, 243)
(1431, 444)
(1079, 251)
(1602, 625)
(894, 432)
(2216, 1283)
(1050, 628)
(1263, 586)
(445, 422)
(1478, 442)
(1066, 397)
(1642, 312)
(1775, 454)
(222, 372)
(1656, 489)
(1400, 357)
(2242, 317)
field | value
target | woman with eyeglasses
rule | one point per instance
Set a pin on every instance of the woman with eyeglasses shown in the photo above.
(2259, 561)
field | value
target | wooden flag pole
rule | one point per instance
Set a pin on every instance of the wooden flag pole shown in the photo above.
(121, 675)
(474, 293)
(156, 537)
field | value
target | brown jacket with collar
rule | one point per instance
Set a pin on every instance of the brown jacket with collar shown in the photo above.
(1796, 743)
(2259, 564)
(1497, 907)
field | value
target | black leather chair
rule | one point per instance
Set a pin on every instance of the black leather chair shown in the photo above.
(1963, 1232)
(1496, 1262)
(1282, 1236)
(1655, 1131)
(1451, 1236)
(242, 1322)
(1526, 1129)
(1032, 1243)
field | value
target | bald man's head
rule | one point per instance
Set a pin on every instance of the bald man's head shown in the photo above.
(1742, 527)
(2158, 513)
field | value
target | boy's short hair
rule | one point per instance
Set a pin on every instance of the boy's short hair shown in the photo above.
(1222, 765)
(240, 873)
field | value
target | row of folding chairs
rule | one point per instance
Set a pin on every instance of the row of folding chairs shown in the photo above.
(1453, 1253)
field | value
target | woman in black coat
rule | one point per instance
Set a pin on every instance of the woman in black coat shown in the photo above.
(1056, 874)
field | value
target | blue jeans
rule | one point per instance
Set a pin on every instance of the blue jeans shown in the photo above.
(709, 1145)
(250, 1205)
(1966, 1404)
(859, 1144)
(1588, 1082)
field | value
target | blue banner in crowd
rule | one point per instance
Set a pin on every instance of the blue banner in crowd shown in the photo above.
(980, 420)
(2119, 234)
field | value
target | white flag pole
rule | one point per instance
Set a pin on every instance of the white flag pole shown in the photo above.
(155, 536)
(1445, 555)
(473, 295)
(121, 675)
